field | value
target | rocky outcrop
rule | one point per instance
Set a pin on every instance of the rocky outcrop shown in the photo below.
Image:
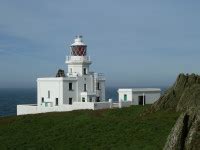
(184, 94)
(60, 73)
(186, 132)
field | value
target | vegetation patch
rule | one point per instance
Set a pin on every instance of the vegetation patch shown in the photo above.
(86, 129)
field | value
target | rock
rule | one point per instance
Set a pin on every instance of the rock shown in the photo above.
(186, 132)
(60, 73)
(184, 94)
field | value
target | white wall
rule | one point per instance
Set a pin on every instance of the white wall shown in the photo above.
(70, 94)
(122, 93)
(55, 109)
(77, 68)
(83, 105)
(88, 80)
(59, 88)
(101, 105)
(54, 85)
(34, 109)
(26, 109)
(151, 97)
(102, 90)
(125, 104)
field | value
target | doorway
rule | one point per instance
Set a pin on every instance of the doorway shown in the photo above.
(98, 99)
(141, 99)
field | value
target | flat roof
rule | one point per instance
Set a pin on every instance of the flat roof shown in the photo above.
(139, 90)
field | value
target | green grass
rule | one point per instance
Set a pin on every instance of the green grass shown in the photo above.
(86, 129)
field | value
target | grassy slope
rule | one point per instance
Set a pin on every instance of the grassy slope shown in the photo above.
(85, 129)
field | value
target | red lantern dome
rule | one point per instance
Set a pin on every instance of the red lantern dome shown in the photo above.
(78, 48)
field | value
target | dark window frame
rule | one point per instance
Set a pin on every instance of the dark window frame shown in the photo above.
(98, 86)
(98, 99)
(70, 100)
(90, 99)
(85, 87)
(85, 71)
(49, 94)
(70, 86)
(56, 102)
(42, 99)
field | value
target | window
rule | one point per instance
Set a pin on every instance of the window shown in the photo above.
(85, 87)
(56, 101)
(42, 99)
(48, 94)
(90, 99)
(98, 86)
(70, 101)
(83, 99)
(84, 71)
(70, 70)
(98, 99)
(125, 97)
(70, 86)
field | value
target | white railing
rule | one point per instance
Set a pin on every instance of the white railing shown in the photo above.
(100, 76)
(72, 74)
(77, 58)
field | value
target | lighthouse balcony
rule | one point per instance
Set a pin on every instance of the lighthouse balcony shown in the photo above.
(72, 74)
(99, 76)
(77, 59)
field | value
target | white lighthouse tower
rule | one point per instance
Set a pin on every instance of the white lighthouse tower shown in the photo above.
(78, 61)
(90, 86)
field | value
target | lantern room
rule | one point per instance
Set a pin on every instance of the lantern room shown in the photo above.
(78, 48)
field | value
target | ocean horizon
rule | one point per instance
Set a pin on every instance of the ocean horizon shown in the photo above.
(11, 97)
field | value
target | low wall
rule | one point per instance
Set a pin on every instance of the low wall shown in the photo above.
(34, 109)
(102, 105)
(26, 109)
(83, 105)
(55, 109)
(91, 105)
(125, 104)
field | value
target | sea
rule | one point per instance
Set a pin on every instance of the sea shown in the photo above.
(11, 97)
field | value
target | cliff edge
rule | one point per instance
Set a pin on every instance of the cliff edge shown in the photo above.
(184, 94)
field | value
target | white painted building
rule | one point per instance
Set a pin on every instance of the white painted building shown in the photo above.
(139, 96)
(80, 88)
(79, 85)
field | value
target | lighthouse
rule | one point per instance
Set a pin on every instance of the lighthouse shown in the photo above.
(78, 85)
(78, 88)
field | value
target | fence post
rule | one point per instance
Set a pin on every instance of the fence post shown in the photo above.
(111, 103)
(120, 103)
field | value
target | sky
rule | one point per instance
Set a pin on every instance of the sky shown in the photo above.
(135, 43)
